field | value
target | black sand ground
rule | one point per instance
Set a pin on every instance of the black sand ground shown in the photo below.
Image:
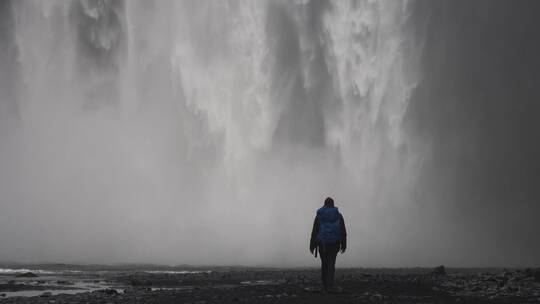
(302, 286)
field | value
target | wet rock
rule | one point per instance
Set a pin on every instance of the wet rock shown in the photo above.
(376, 297)
(108, 291)
(129, 290)
(312, 289)
(534, 273)
(439, 270)
(46, 294)
(136, 282)
(26, 275)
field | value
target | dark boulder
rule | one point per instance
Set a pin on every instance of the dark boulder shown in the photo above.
(534, 273)
(46, 294)
(439, 270)
(26, 275)
(108, 291)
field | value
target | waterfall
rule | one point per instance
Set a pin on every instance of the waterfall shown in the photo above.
(164, 123)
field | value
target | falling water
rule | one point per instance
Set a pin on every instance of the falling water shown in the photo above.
(202, 132)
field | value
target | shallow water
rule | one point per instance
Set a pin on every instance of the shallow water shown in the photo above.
(70, 281)
(56, 284)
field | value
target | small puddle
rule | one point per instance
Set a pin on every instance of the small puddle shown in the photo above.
(262, 282)
(180, 288)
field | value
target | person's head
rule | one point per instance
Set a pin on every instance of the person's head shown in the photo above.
(329, 202)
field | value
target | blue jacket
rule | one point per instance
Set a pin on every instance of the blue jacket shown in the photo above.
(328, 228)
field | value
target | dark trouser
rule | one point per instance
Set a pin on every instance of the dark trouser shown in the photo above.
(328, 255)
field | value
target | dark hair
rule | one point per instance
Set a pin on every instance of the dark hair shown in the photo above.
(329, 202)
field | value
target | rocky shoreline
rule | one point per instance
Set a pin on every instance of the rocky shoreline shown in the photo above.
(302, 286)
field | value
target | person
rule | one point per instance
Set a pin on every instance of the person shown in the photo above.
(328, 237)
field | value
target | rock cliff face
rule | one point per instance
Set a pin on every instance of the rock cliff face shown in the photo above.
(474, 108)
(10, 75)
(100, 31)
